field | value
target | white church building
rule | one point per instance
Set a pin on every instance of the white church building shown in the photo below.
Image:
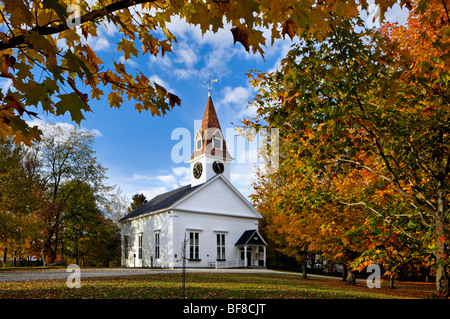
(214, 223)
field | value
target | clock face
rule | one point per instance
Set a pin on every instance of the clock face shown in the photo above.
(218, 167)
(198, 169)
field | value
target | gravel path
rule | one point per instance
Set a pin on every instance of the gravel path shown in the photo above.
(49, 274)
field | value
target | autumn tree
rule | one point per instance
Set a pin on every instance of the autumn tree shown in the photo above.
(284, 224)
(137, 201)
(88, 236)
(64, 156)
(79, 219)
(20, 195)
(378, 102)
(52, 68)
(305, 212)
(105, 247)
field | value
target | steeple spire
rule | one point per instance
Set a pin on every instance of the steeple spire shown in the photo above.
(210, 119)
(210, 156)
(209, 127)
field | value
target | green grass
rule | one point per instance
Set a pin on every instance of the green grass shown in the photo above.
(198, 286)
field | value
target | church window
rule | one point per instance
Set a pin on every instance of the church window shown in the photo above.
(198, 144)
(125, 247)
(157, 245)
(220, 246)
(140, 246)
(193, 245)
(217, 142)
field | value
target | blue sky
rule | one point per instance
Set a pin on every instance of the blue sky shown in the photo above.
(136, 147)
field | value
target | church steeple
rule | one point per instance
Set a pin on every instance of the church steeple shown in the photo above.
(210, 116)
(210, 156)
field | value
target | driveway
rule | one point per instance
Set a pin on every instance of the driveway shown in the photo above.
(49, 274)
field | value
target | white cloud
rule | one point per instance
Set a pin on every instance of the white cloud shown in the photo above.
(283, 48)
(397, 14)
(371, 16)
(183, 175)
(152, 192)
(109, 28)
(46, 127)
(188, 52)
(138, 177)
(184, 31)
(178, 26)
(5, 85)
(157, 79)
(248, 112)
(97, 133)
(242, 175)
(185, 73)
(186, 55)
(181, 171)
(129, 61)
(166, 179)
(99, 43)
(238, 96)
(235, 103)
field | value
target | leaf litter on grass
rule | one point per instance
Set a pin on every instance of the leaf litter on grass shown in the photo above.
(198, 286)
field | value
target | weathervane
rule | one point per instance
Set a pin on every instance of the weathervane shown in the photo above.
(209, 84)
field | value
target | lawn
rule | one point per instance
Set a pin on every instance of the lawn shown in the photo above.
(208, 286)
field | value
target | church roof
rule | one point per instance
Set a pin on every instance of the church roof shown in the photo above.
(210, 125)
(172, 199)
(161, 201)
(210, 118)
(251, 237)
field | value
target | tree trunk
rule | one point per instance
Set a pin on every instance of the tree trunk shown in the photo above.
(351, 278)
(391, 281)
(5, 256)
(305, 276)
(441, 247)
(345, 272)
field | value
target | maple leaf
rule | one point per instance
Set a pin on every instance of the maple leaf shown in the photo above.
(73, 104)
(83, 96)
(173, 99)
(127, 47)
(34, 27)
(57, 7)
(288, 28)
(15, 104)
(241, 36)
(115, 99)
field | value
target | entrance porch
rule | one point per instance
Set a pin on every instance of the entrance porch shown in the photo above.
(251, 252)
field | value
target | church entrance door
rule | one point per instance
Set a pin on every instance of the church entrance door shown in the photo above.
(248, 260)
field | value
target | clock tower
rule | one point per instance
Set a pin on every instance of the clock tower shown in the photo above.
(210, 156)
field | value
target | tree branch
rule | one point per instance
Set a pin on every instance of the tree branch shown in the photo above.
(15, 41)
(386, 219)
(396, 184)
